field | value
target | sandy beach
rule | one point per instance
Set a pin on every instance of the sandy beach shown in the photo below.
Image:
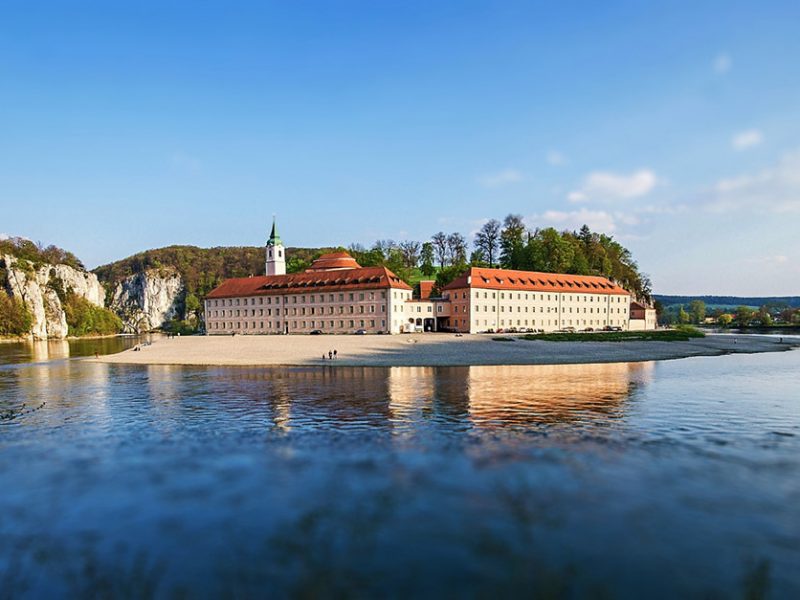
(426, 350)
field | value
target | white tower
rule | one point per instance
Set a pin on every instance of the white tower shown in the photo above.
(276, 255)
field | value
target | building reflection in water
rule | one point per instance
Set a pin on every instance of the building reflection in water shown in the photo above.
(496, 396)
(42, 351)
(403, 399)
(515, 395)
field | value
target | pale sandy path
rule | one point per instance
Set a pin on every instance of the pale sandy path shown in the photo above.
(427, 350)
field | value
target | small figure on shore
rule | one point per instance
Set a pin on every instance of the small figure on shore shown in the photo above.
(96, 354)
(330, 355)
(335, 354)
(780, 340)
(323, 356)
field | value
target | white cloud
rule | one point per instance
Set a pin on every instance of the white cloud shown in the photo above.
(722, 63)
(597, 220)
(776, 260)
(577, 196)
(775, 189)
(4, 236)
(500, 178)
(747, 139)
(556, 159)
(604, 185)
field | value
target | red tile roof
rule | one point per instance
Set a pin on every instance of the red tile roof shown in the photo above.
(334, 260)
(322, 281)
(505, 279)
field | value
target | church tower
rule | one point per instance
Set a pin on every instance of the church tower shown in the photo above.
(276, 254)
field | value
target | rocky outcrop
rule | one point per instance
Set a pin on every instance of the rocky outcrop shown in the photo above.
(42, 288)
(148, 300)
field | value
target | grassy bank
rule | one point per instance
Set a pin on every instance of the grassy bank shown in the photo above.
(679, 334)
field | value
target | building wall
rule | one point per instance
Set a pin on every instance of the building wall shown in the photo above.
(642, 320)
(330, 312)
(398, 310)
(391, 310)
(477, 310)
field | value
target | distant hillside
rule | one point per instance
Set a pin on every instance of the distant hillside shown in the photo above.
(202, 269)
(730, 301)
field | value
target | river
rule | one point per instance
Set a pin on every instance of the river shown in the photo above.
(658, 479)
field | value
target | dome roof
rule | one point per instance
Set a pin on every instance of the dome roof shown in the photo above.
(333, 261)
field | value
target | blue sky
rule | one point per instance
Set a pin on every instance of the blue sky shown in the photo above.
(676, 128)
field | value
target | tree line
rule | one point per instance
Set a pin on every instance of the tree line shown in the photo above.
(509, 244)
(697, 313)
(37, 254)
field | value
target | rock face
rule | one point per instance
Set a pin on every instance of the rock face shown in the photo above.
(39, 289)
(148, 300)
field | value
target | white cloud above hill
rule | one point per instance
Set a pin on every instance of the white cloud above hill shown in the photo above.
(608, 186)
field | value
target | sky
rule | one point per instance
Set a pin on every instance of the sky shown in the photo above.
(674, 127)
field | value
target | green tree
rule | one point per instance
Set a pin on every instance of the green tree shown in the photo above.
(512, 243)
(697, 309)
(84, 318)
(477, 259)
(193, 304)
(724, 320)
(683, 316)
(15, 318)
(744, 314)
(440, 247)
(427, 258)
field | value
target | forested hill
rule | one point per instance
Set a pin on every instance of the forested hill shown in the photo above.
(38, 254)
(731, 301)
(202, 269)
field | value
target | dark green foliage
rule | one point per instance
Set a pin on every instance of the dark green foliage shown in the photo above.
(15, 319)
(446, 275)
(37, 254)
(180, 327)
(734, 301)
(84, 318)
(426, 259)
(551, 251)
(679, 334)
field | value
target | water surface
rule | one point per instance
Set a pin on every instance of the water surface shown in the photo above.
(677, 478)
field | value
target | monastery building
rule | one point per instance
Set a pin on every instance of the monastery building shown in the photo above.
(337, 295)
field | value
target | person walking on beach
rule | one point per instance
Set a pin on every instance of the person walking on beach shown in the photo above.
(330, 355)
(335, 354)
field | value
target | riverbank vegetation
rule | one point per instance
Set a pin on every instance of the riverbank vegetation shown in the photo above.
(15, 318)
(678, 334)
(84, 318)
(775, 313)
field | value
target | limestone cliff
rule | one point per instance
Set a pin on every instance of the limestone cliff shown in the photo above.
(148, 300)
(42, 288)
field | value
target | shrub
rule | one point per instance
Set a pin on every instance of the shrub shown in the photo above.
(15, 318)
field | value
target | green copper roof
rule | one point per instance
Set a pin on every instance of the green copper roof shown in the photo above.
(274, 238)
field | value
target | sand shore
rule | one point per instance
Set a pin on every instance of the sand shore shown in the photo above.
(427, 350)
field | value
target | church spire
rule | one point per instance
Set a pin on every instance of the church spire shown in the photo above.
(274, 238)
(276, 258)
